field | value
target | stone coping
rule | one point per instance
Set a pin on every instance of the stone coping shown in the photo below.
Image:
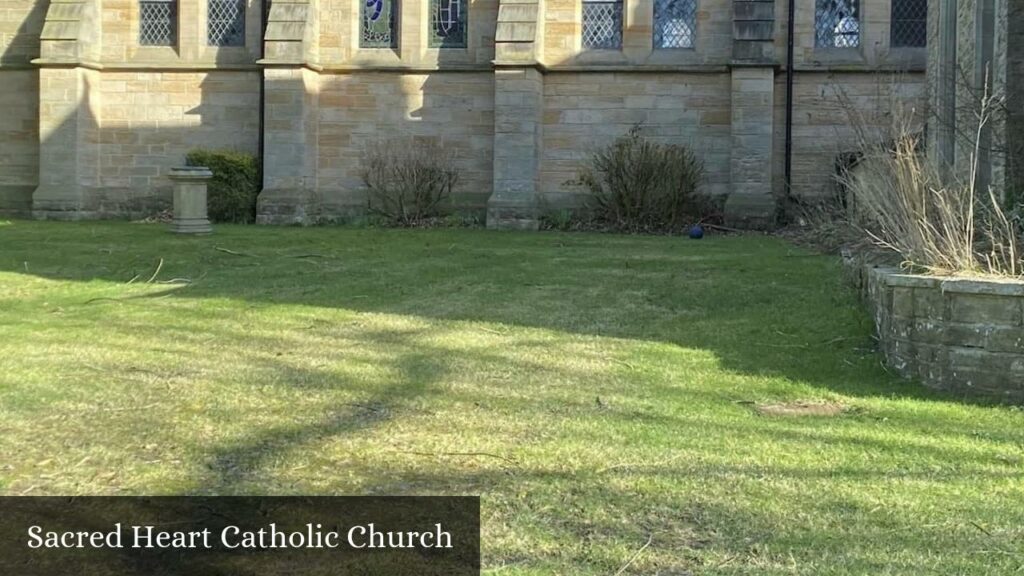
(961, 285)
(190, 173)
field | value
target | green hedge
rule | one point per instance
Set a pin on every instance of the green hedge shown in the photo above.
(235, 184)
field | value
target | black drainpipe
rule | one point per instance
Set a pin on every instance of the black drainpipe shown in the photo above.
(791, 17)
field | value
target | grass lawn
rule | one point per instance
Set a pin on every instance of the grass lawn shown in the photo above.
(598, 391)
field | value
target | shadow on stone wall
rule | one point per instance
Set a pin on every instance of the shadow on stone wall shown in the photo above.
(107, 139)
(19, 122)
(320, 126)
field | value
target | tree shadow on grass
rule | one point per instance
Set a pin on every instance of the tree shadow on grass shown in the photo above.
(763, 308)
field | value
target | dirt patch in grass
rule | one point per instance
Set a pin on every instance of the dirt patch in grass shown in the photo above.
(802, 408)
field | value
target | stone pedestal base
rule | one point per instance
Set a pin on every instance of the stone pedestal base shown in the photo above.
(190, 211)
(511, 215)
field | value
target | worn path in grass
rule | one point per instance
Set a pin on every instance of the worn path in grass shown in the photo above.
(597, 391)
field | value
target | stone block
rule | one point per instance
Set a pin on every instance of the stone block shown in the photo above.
(1005, 339)
(902, 302)
(979, 308)
(929, 303)
(748, 30)
(748, 10)
(753, 50)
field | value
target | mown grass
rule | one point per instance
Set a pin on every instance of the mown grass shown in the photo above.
(598, 391)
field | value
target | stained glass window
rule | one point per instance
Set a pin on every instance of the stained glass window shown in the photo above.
(837, 24)
(674, 23)
(378, 21)
(602, 24)
(158, 22)
(448, 28)
(225, 22)
(909, 23)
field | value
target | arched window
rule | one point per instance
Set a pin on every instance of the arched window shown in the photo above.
(448, 23)
(675, 23)
(158, 22)
(378, 24)
(225, 22)
(602, 24)
(909, 27)
(837, 24)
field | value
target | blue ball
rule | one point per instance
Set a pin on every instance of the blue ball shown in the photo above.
(697, 232)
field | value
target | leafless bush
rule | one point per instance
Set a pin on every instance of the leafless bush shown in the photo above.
(639, 185)
(407, 183)
(938, 221)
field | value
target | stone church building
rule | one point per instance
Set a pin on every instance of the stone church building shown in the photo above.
(99, 99)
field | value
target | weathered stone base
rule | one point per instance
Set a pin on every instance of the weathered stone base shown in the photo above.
(191, 226)
(511, 215)
(87, 203)
(70, 203)
(16, 201)
(750, 212)
(964, 336)
(288, 206)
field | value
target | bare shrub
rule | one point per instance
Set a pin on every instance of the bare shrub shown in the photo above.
(407, 183)
(938, 221)
(639, 185)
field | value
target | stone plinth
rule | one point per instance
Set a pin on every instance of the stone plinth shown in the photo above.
(960, 335)
(190, 212)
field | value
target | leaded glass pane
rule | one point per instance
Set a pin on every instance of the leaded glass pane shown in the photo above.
(158, 22)
(837, 24)
(674, 23)
(225, 22)
(602, 24)
(909, 23)
(448, 28)
(378, 24)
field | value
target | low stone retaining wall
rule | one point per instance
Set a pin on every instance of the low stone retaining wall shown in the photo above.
(960, 335)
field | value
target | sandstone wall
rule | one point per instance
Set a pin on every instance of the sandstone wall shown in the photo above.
(20, 24)
(139, 109)
(149, 121)
(583, 111)
(822, 127)
(454, 109)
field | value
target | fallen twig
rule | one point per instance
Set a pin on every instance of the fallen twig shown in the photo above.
(635, 556)
(366, 407)
(129, 409)
(469, 454)
(624, 363)
(226, 251)
(723, 228)
(102, 300)
(159, 267)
